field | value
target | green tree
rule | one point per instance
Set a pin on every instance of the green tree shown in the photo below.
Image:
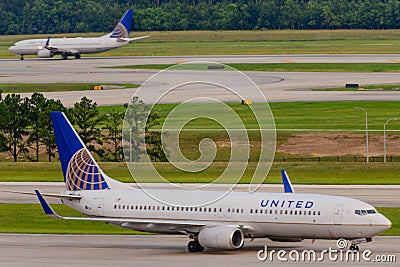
(113, 134)
(154, 146)
(135, 122)
(41, 129)
(85, 115)
(14, 122)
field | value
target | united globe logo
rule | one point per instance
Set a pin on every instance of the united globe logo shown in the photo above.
(83, 173)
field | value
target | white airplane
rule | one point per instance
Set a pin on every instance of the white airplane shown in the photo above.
(46, 48)
(286, 217)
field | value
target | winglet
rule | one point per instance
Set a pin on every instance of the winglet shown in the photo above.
(47, 42)
(46, 207)
(287, 185)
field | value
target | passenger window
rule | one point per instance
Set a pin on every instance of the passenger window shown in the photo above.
(237, 210)
(286, 212)
(319, 213)
(229, 210)
(300, 212)
(251, 210)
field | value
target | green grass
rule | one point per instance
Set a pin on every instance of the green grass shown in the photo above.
(30, 219)
(340, 116)
(393, 214)
(300, 173)
(288, 67)
(243, 42)
(53, 87)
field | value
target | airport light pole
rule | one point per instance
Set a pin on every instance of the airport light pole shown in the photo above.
(384, 137)
(366, 130)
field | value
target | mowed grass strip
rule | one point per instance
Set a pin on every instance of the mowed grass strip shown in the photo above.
(341, 173)
(341, 116)
(54, 87)
(30, 219)
(288, 67)
(241, 42)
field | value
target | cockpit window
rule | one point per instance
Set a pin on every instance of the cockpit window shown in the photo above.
(365, 212)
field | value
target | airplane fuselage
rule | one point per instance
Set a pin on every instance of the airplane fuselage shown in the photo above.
(272, 215)
(78, 45)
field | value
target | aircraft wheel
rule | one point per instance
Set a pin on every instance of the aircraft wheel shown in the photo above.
(194, 246)
(77, 56)
(354, 248)
(22, 57)
(64, 56)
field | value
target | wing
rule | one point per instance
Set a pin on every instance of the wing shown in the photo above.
(151, 225)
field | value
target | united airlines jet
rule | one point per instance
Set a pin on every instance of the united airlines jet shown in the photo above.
(225, 224)
(46, 48)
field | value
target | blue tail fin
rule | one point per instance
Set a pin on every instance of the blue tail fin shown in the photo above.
(80, 170)
(287, 185)
(124, 26)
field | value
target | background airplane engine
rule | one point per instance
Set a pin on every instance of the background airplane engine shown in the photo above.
(221, 237)
(44, 53)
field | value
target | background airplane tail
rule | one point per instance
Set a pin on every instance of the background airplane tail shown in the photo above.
(122, 29)
(80, 170)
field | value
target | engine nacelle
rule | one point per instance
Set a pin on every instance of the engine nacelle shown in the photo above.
(44, 53)
(221, 237)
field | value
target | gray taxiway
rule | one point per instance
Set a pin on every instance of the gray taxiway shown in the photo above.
(275, 86)
(138, 250)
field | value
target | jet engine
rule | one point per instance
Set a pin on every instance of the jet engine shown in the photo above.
(221, 237)
(44, 53)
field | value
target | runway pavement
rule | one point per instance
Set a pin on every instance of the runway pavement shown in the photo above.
(376, 195)
(276, 86)
(155, 250)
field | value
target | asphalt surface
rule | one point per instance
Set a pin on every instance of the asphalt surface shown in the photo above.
(76, 250)
(275, 86)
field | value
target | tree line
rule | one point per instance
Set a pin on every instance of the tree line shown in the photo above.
(69, 16)
(26, 130)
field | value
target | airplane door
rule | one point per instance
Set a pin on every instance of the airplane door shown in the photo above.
(100, 204)
(337, 219)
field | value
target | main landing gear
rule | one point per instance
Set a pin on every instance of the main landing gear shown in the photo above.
(22, 57)
(194, 246)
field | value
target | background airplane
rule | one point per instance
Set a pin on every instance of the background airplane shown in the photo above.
(46, 48)
(224, 224)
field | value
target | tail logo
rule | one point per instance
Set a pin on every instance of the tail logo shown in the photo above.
(83, 173)
(120, 31)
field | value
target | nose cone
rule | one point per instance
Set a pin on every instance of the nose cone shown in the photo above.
(381, 224)
(12, 49)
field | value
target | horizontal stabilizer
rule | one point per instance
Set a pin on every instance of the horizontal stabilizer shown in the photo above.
(134, 39)
(45, 194)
